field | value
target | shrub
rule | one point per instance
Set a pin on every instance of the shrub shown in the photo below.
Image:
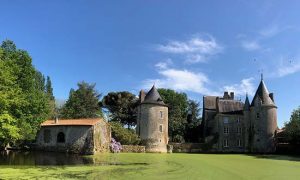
(123, 135)
(115, 146)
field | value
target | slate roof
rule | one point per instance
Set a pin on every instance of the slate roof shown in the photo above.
(263, 94)
(153, 97)
(72, 122)
(222, 105)
(230, 106)
(210, 102)
(247, 104)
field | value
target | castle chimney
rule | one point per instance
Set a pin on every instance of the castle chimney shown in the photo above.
(232, 95)
(142, 96)
(56, 120)
(226, 95)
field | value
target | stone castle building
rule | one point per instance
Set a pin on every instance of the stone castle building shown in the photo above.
(83, 136)
(152, 121)
(230, 125)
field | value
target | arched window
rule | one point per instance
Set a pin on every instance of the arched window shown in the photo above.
(61, 137)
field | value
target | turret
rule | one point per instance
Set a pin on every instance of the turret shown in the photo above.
(153, 121)
(263, 120)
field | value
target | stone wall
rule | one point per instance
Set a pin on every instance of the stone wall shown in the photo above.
(78, 139)
(188, 147)
(133, 149)
(150, 123)
(102, 137)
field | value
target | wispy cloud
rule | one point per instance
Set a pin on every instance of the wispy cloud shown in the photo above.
(269, 31)
(196, 49)
(180, 80)
(196, 82)
(164, 64)
(285, 69)
(251, 45)
(245, 86)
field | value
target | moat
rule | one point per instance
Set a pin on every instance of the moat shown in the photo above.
(45, 165)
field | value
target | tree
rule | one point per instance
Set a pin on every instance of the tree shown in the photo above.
(178, 109)
(49, 89)
(292, 128)
(23, 104)
(82, 103)
(192, 131)
(122, 106)
(123, 135)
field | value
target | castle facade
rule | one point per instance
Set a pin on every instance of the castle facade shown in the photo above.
(230, 125)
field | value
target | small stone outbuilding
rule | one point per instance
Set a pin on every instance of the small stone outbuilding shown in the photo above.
(82, 136)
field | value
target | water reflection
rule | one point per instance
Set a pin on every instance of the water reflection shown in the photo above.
(42, 158)
(38, 158)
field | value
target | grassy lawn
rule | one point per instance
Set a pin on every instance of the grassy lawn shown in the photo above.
(165, 166)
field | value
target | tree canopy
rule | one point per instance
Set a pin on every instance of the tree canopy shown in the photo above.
(122, 107)
(23, 101)
(292, 128)
(178, 110)
(82, 103)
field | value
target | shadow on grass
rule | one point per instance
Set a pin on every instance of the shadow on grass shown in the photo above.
(276, 157)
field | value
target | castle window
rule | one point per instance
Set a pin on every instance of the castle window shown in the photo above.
(47, 135)
(225, 143)
(161, 114)
(257, 115)
(160, 128)
(239, 143)
(61, 137)
(226, 130)
(238, 120)
(239, 130)
(225, 120)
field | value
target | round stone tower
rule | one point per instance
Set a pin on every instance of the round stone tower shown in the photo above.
(152, 121)
(263, 120)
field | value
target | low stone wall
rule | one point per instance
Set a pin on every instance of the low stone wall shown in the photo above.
(133, 149)
(188, 147)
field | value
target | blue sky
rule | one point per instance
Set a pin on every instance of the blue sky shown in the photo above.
(197, 47)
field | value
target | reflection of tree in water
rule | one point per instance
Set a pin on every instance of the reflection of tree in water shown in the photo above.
(41, 158)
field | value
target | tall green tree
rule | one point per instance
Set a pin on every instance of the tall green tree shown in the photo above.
(292, 128)
(82, 103)
(178, 110)
(49, 89)
(192, 130)
(24, 101)
(122, 107)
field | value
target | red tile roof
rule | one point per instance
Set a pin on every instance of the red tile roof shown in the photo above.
(72, 122)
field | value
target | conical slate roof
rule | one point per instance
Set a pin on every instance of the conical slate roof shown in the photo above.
(154, 97)
(263, 94)
(247, 104)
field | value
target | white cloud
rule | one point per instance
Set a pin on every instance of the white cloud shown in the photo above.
(251, 45)
(195, 58)
(164, 65)
(287, 69)
(246, 86)
(270, 31)
(196, 49)
(181, 80)
(185, 80)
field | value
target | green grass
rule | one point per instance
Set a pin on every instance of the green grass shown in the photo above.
(166, 166)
